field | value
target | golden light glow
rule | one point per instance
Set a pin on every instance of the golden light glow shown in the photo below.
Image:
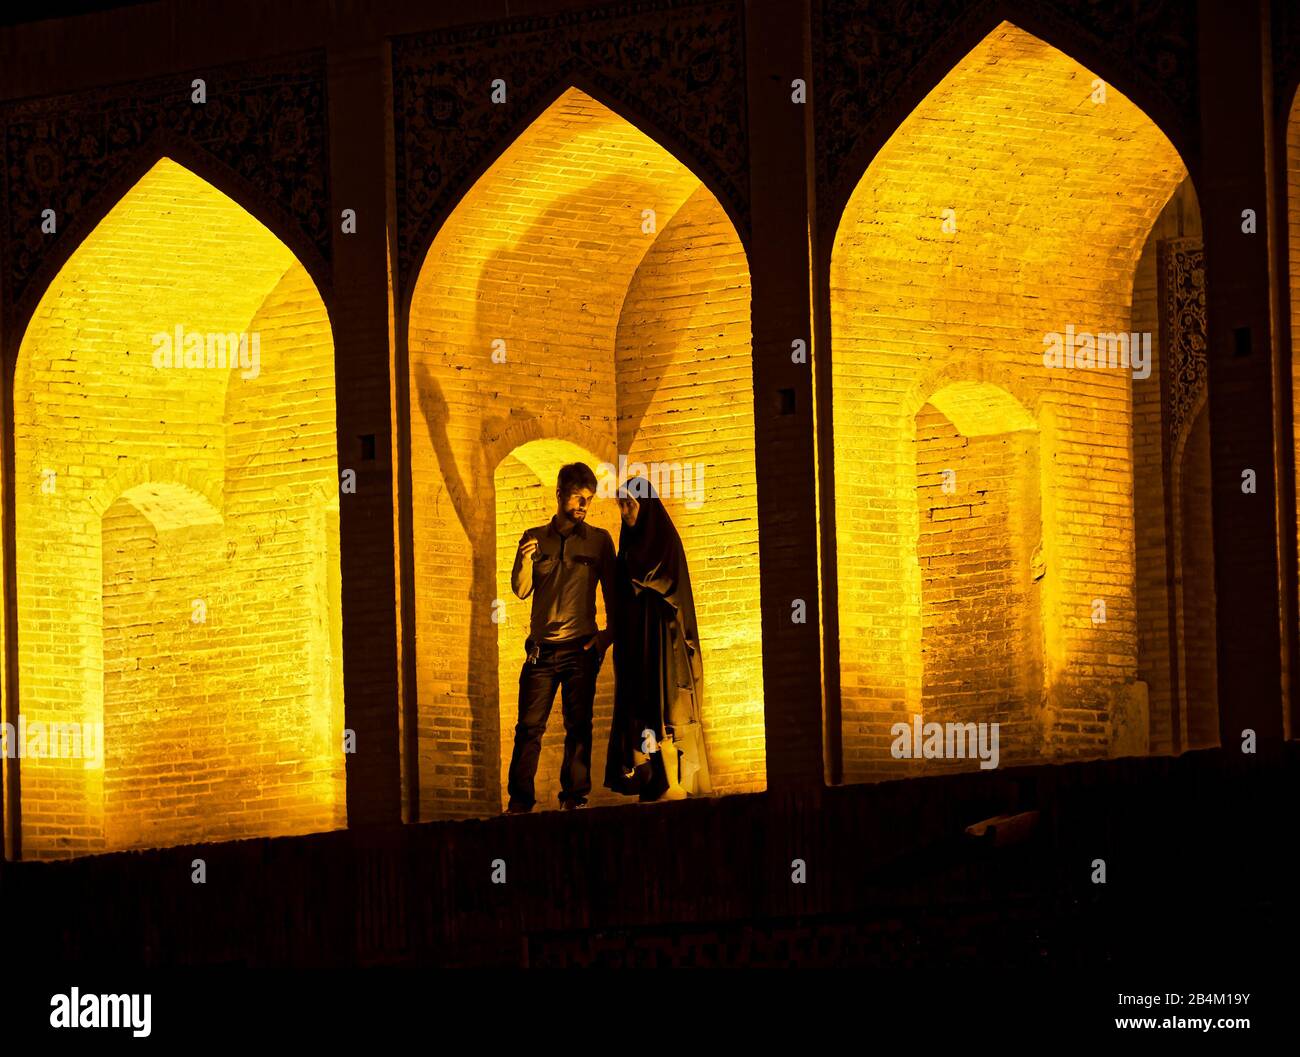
(939, 339)
(177, 535)
(588, 290)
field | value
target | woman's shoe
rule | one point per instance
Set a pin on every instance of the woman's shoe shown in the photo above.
(671, 757)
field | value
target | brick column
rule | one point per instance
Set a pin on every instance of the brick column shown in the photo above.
(1285, 277)
(10, 833)
(360, 116)
(1235, 115)
(783, 394)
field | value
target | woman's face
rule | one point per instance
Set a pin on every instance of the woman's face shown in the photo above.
(628, 509)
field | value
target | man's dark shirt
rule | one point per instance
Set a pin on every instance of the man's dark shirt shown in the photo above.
(561, 576)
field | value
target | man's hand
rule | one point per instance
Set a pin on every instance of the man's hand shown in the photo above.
(521, 576)
(599, 641)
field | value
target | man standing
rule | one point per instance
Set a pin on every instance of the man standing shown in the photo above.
(559, 564)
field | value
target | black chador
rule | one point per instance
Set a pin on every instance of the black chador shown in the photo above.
(656, 742)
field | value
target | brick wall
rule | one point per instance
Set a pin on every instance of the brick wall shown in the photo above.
(1293, 272)
(1197, 632)
(543, 254)
(176, 485)
(1053, 196)
(1155, 645)
(981, 631)
(1190, 644)
(282, 501)
(685, 395)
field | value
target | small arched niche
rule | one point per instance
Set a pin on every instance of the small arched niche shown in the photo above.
(979, 545)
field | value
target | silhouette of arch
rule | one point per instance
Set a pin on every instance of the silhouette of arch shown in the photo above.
(168, 506)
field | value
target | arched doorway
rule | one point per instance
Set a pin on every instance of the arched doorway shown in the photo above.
(994, 241)
(979, 542)
(177, 532)
(588, 287)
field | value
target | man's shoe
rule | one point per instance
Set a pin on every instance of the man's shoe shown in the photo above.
(518, 809)
(572, 805)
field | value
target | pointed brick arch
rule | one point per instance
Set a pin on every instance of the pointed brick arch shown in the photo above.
(588, 285)
(1052, 197)
(862, 98)
(162, 146)
(568, 80)
(174, 516)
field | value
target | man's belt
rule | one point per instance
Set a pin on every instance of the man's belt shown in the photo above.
(535, 649)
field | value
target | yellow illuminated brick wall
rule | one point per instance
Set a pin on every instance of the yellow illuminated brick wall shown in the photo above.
(539, 264)
(1052, 196)
(177, 535)
(685, 395)
(981, 630)
(1155, 643)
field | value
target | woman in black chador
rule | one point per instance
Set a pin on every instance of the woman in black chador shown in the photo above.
(656, 743)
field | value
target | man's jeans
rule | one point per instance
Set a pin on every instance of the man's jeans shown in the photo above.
(573, 669)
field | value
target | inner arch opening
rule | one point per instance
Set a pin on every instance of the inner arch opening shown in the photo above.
(1018, 211)
(589, 286)
(177, 569)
